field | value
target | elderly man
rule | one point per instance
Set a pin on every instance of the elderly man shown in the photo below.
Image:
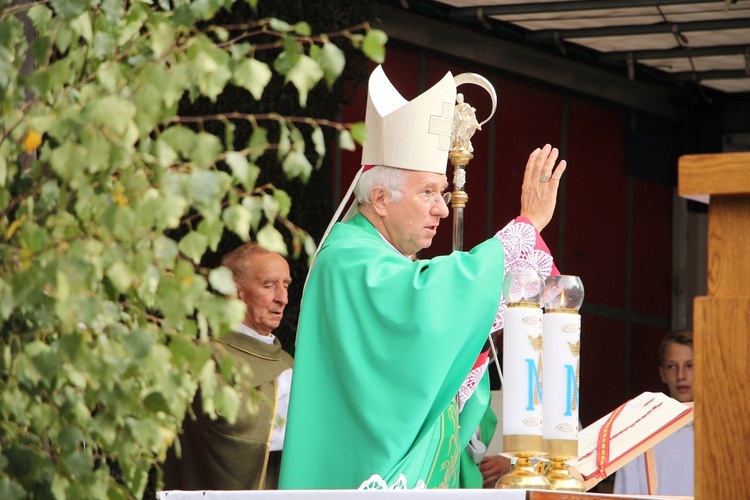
(389, 348)
(245, 455)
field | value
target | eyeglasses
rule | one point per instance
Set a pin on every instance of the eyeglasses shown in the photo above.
(432, 196)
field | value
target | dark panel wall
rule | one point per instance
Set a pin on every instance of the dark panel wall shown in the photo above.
(644, 360)
(528, 117)
(603, 379)
(652, 249)
(596, 202)
(596, 208)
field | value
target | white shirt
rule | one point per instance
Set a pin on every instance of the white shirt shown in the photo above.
(283, 388)
(674, 468)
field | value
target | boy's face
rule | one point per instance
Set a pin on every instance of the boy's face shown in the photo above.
(677, 371)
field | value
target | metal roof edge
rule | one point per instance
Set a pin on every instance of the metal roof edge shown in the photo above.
(523, 61)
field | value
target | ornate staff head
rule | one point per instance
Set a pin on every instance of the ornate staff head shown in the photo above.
(465, 123)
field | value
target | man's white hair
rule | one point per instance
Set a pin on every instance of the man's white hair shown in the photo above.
(392, 179)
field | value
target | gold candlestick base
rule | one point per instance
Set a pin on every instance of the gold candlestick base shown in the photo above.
(559, 476)
(523, 476)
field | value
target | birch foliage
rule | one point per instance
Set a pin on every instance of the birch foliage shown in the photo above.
(104, 313)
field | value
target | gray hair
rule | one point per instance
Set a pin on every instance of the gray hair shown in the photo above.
(392, 179)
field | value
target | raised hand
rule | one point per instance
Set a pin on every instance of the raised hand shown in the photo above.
(541, 181)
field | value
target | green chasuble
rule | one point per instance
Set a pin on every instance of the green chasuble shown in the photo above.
(384, 344)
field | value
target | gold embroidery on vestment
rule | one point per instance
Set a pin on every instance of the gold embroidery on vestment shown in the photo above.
(261, 356)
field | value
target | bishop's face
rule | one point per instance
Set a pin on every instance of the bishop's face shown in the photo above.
(411, 223)
(677, 371)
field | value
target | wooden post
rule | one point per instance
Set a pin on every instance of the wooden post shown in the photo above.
(721, 323)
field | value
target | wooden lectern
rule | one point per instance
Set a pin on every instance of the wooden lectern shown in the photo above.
(721, 323)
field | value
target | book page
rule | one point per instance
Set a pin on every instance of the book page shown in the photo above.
(642, 422)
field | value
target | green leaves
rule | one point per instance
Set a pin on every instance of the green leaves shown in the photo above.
(162, 39)
(331, 59)
(110, 203)
(228, 403)
(68, 9)
(193, 245)
(222, 281)
(374, 45)
(245, 173)
(206, 149)
(209, 68)
(271, 239)
(252, 75)
(239, 219)
(304, 75)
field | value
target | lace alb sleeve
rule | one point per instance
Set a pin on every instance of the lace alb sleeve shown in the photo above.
(524, 249)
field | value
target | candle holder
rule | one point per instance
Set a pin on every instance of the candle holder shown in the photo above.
(561, 331)
(522, 374)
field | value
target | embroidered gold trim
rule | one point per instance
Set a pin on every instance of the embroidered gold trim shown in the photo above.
(450, 465)
(278, 358)
(262, 483)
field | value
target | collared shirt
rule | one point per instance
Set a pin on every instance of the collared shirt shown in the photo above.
(283, 388)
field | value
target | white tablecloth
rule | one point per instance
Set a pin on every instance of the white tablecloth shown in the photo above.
(476, 494)
(468, 494)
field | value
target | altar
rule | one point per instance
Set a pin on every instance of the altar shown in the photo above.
(465, 494)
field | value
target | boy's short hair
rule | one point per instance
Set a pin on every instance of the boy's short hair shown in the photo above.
(684, 337)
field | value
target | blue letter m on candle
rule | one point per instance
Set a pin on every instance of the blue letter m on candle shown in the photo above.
(535, 386)
(571, 392)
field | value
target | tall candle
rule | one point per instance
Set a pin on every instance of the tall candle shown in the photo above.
(563, 296)
(522, 362)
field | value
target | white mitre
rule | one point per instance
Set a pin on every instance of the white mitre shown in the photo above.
(413, 135)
